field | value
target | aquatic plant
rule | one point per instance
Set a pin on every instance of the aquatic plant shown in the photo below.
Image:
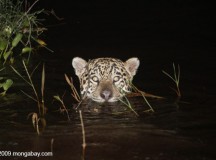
(127, 103)
(19, 28)
(144, 97)
(134, 93)
(74, 93)
(83, 135)
(5, 84)
(175, 78)
(36, 117)
(63, 107)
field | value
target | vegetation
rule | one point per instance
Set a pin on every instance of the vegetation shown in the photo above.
(36, 117)
(20, 29)
(63, 107)
(74, 92)
(83, 136)
(5, 84)
(74, 95)
(175, 78)
(144, 97)
(127, 103)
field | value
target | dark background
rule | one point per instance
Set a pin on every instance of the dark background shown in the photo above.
(157, 32)
(161, 24)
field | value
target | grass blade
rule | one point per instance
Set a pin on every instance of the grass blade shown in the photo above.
(128, 104)
(20, 75)
(29, 96)
(175, 78)
(142, 93)
(74, 93)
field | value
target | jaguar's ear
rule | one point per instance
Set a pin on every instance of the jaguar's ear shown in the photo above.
(132, 65)
(79, 65)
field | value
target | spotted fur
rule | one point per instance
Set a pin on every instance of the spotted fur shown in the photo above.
(105, 79)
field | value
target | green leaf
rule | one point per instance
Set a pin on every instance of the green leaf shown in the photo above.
(17, 39)
(3, 93)
(3, 44)
(8, 83)
(7, 54)
(57, 98)
(26, 50)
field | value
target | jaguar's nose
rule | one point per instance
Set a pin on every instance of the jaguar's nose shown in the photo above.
(106, 94)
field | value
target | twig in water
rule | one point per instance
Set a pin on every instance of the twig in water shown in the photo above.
(83, 135)
(52, 142)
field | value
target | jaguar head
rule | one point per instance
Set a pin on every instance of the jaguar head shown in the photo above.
(105, 79)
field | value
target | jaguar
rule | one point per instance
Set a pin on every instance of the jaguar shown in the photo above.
(105, 79)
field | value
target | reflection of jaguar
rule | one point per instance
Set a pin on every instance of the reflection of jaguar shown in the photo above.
(105, 79)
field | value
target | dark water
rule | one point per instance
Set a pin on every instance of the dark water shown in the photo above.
(178, 129)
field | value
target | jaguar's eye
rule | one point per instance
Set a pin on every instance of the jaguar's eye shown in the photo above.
(95, 79)
(116, 78)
